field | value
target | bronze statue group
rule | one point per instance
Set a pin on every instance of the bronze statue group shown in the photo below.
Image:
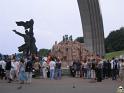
(29, 47)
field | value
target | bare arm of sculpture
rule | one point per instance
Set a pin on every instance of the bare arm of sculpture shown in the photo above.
(18, 33)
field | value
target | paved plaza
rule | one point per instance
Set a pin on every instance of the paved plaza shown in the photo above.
(66, 85)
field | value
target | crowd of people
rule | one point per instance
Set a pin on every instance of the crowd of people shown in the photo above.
(23, 69)
(99, 69)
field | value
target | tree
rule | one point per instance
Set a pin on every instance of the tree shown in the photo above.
(80, 39)
(44, 52)
(115, 41)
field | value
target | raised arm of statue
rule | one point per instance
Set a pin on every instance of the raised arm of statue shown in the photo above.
(18, 33)
(31, 27)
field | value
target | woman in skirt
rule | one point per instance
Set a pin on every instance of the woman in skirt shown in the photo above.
(22, 73)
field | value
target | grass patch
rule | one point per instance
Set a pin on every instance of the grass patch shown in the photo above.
(114, 54)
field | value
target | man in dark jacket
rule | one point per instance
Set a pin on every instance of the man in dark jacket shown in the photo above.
(28, 70)
(8, 68)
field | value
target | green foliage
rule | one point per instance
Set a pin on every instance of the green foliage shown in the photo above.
(115, 41)
(80, 39)
(114, 54)
(44, 52)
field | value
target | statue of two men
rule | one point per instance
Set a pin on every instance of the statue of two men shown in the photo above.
(66, 38)
(29, 47)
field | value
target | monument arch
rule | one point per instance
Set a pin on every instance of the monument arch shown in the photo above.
(92, 25)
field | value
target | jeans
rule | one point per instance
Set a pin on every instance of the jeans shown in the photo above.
(89, 73)
(52, 71)
(114, 74)
(44, 72)
(59, 73)
(29, 76)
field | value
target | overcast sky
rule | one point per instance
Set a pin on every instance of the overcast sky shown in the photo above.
(53, 19)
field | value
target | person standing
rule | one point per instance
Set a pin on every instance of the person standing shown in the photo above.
(14, 69)
(108, 69)
(93, 68)
(114, 69)
(22, 74)
(44, 69)
(121, 72)
(89, 68)
(74, 67)
(85, 69)
(52, 65)
(37, 67)
(78, 70)
(58, 69)
(99, 70)
(28, 70)
(17, 68)
(2, 68)
(8, 68)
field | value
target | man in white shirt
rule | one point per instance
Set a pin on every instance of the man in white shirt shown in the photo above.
(15, 69)
(44, 69)
(52, 65)
(114, 69)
